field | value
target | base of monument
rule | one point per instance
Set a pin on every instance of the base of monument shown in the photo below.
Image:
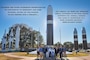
(49, 58)
(3, 51)
(9, 50)
(53, 59)
(49, 46)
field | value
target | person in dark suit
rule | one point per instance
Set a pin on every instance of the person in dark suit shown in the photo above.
(60, 51)
(64, 51)
(56, 50)
(38, 53)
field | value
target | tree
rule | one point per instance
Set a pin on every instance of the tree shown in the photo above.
(27, 36)
(68, 45)
(21, 45)
(80, 46)
(0, 45)
(57, 44)
(39, 38)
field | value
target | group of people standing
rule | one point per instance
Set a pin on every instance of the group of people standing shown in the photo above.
(51, 51)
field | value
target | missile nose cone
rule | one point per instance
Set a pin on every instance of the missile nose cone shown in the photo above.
(5, 34)
(49, 10)
(18, 28)
(75, 31)
(11, 33)
(83, 30)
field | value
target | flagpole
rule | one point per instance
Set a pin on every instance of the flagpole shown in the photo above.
(38, 36)
(60, 35)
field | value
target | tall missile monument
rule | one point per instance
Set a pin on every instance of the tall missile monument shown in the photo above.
(75, 39)
(4, 41)
(17, 38)
(11, 39)
(49, 25)
(84, 38)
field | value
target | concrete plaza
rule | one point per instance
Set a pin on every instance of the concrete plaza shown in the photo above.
(33, 58)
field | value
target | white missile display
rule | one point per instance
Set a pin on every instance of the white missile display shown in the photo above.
(4, 41)
(17, 37)
(10, 39)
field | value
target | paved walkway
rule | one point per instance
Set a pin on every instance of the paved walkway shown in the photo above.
(33, 58)
(80, 58)
(22, 57)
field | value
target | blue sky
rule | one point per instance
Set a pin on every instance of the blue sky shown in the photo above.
(39, 22)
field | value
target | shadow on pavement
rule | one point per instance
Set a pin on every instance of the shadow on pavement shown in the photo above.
(51, 59)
